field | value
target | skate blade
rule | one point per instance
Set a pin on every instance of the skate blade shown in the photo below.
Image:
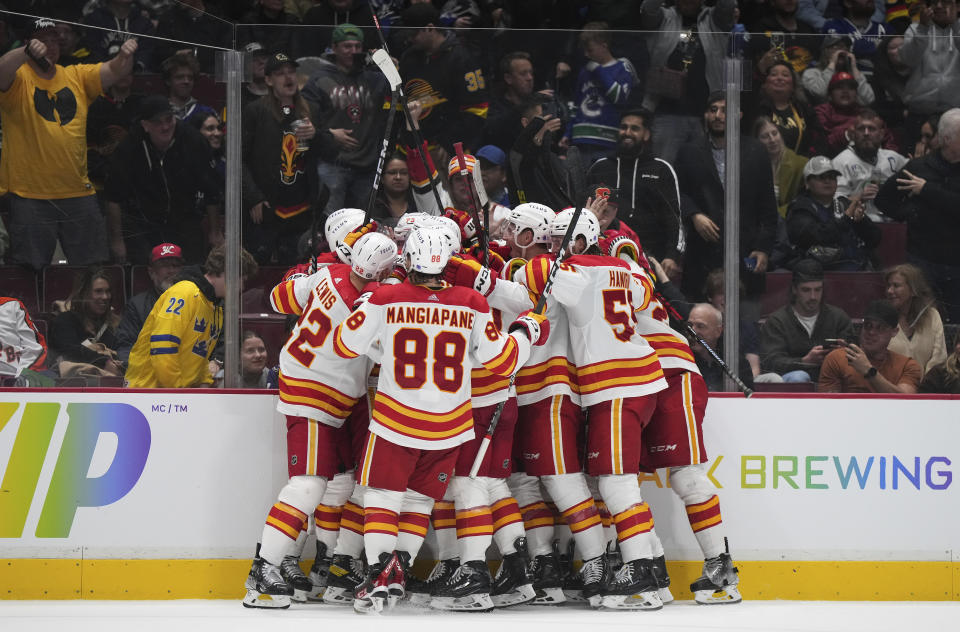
(369, 605)
(300, 596)
(595, 601)
(649, 600)
(470, 603)
(574, 596)
(726, 595)
(256, 599)
(522, 594)
(419, 599)
(316, 595)
(665, 595)
(338, 596)
(549, 597)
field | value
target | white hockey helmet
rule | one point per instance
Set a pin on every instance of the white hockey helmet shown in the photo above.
(532, 215)
(372, 255)
(427, 250)
(405, 225)
(587, 226)
(340, 224)
(449, 228)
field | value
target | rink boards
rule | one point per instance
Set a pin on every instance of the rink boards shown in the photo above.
(162, 494)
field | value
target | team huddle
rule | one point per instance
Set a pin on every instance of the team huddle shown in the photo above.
(507, 393)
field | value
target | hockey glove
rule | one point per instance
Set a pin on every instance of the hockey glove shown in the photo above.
(346, 246)
(469, 273)
(468, 229)
(535, 325)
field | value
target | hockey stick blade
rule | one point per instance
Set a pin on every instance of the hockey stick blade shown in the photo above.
(383, 61)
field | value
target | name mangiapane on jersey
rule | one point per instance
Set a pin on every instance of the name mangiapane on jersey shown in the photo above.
(444, 316)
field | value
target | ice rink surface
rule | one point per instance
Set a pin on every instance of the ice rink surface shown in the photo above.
(207, 616)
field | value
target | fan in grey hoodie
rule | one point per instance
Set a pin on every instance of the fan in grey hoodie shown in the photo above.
(930, 49)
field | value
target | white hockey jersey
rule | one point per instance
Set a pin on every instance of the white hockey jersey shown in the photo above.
(600, 296)
(653, 323)
(507, 301)
(430, 340)
(314, 381)
(855, 173)
(21, 345)
(549, 371)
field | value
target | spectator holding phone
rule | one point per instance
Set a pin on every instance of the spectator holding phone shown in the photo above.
(793, 339)
(871, 367)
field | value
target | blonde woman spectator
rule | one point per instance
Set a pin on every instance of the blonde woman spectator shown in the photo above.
(787, 165)
(921, 330)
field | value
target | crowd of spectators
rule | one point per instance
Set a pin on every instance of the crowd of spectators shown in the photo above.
(852, 123)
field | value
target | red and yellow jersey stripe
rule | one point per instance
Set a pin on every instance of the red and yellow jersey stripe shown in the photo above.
(608, 379)
(413, 427)
(283, 299)
(298, 392)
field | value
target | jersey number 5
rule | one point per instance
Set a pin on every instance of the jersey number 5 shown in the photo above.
(300, 347)
(621, 322)
(412, 351)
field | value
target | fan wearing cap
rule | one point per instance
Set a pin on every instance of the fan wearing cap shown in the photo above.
(493, 171)
(862, 23)
(280, 176)
(160, 184)
(166, 261)
(44, 109)
(257, 86)
(870, 367)
(352, 102)
(833, 230)
(838, 114)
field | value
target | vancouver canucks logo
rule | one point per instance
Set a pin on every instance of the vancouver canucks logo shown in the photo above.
(63, 103)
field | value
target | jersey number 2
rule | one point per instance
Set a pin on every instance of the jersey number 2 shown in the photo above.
(300, 347)
(411, 352)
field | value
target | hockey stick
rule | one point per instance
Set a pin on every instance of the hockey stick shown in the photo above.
(475, 203)
(538, 309)
(414, 128)
(747, 391)
(382, 59)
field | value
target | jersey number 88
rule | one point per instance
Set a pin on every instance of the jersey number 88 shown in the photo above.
(412, 349)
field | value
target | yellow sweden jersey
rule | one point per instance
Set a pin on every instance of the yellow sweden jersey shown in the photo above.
(174, 346)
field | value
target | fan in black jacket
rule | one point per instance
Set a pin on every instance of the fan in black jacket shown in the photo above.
(702, 204)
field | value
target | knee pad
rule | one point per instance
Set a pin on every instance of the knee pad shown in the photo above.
(303, 492)
(566, 490)
(691, 484)
(497, 489)
(415, 502)
(469, 492)
(338, 490)
(619, 492)
(383, 498)
(525, 488)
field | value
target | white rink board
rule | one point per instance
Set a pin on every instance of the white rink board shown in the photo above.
(211, 472)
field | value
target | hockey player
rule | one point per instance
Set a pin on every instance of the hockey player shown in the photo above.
(318, 390)
(550, 423)
(430, 335)
(618, 375)
(677, 421)
(485, 509)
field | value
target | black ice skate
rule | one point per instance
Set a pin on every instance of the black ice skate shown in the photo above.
(513, 583)
(265, 586)
(421, 591)
(318, 573)
(468, 589)
(634, 587)
(718, 584)
(662, 578)
(595, 575)
(371, 596)
(400, 570)
(293, 575)
(572, 583)
(547, 580)
(343, 577)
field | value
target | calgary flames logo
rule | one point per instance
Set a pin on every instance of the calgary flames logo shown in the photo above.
(291, 163)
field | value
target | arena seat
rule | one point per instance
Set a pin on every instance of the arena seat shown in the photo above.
(58, 283)
(272, 328)
(784, 387)
(256, 294)
(139, 280)
(892, 249)
(21, 283)
(850, 291)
